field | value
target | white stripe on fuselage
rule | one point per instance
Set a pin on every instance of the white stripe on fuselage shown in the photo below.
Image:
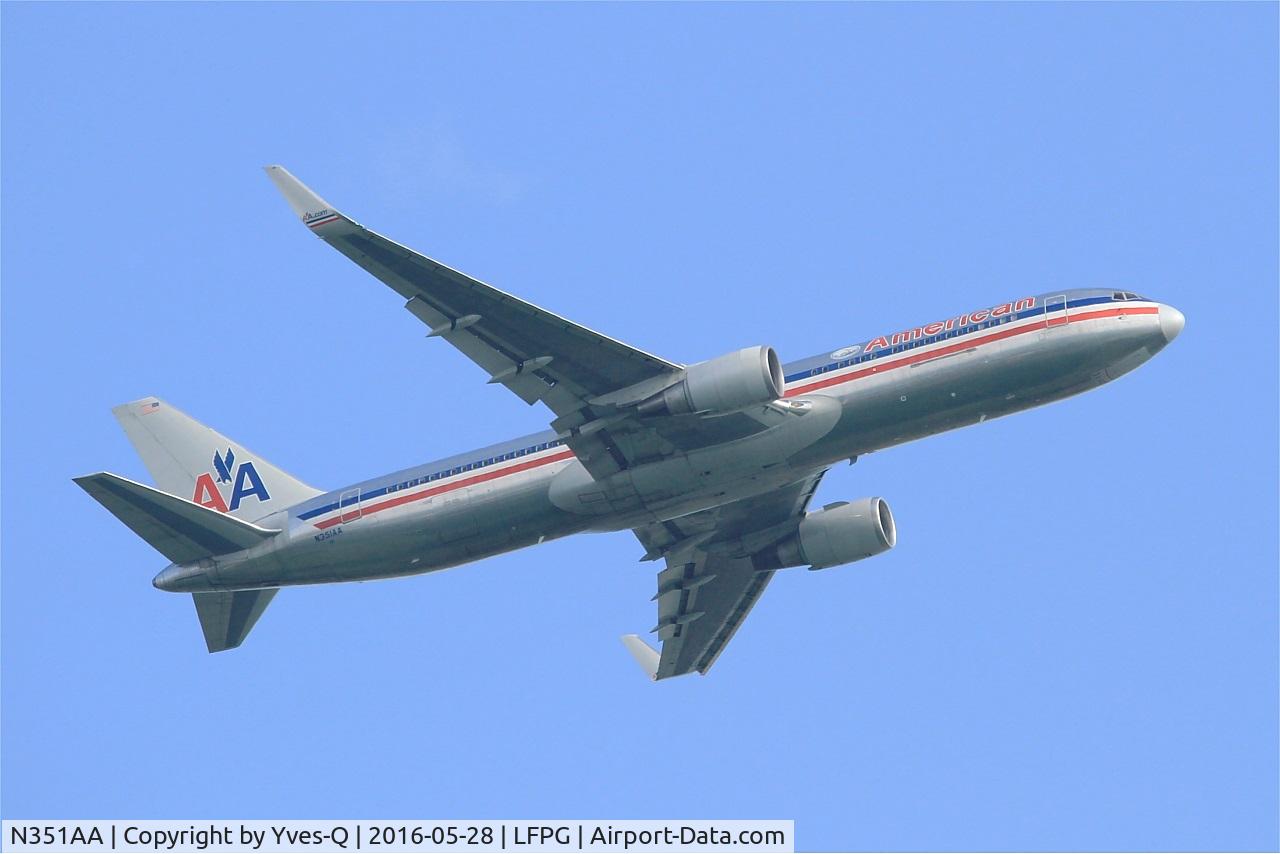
(882, 363)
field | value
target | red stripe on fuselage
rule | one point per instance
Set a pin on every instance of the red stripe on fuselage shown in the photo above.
(958, 347)
(470, 481)
(962, 345)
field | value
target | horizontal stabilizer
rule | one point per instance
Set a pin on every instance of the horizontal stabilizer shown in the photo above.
(645, 655)
(226, 618)
(179, 529)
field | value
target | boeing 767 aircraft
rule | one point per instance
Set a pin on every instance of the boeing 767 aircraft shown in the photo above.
(711, 465)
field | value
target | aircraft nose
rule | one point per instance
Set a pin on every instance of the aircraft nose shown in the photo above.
(1171, 322)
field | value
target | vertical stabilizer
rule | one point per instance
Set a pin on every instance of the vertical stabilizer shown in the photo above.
(195, 462)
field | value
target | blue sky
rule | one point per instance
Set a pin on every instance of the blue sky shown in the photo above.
(1074, 645)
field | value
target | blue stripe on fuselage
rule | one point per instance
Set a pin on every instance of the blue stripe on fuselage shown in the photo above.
(432, 472)
(523, 446)
(826, 363)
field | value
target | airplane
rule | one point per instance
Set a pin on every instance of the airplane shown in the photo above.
(711, 465)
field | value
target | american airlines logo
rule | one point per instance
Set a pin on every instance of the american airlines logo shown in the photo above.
(930, 329)
(318, 215)
(246, 483)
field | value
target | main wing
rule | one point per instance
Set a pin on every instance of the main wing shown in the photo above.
(589, 381)
(536, 354)
(710, 582)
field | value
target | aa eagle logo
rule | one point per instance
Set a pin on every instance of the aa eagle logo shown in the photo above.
(246, 483)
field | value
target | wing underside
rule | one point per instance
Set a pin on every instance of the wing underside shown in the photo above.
(538, 355)
(593, 385)
(710, 582)
(587, 380)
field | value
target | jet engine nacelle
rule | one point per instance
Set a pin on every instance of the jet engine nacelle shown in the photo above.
(838, 533)
(724, 384)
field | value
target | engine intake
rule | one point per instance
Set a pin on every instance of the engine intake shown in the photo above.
(839, 533)
(724, 384)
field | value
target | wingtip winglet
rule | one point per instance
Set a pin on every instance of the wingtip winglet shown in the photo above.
(310, 208)
(646, 656)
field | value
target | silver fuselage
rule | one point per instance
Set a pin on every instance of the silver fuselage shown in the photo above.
(902, 386)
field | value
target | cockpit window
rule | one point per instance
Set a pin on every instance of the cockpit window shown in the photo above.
(1126, 295)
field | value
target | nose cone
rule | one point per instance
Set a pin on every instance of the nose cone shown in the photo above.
(1171, 322)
